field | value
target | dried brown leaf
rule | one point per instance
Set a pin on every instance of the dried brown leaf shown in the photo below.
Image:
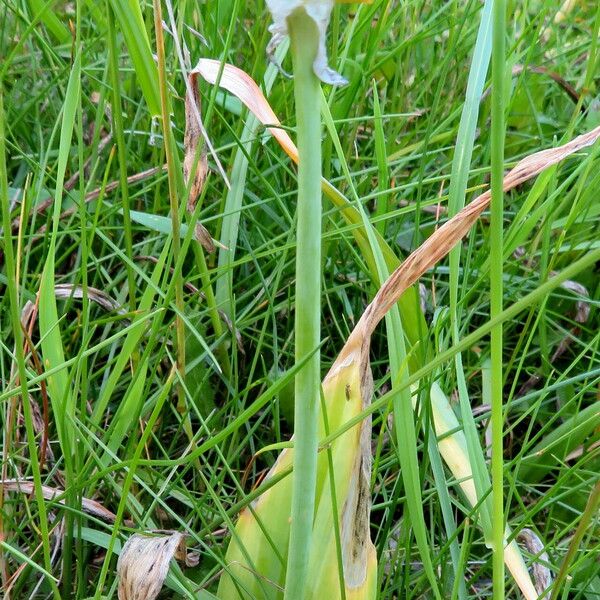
(203, 237)
(50, 493)
(241, 85)
(195, 164)
(68, 290)
(580, 450)
(582, 312)
(439, 244)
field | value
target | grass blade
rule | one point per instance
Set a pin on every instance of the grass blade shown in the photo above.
(131, 23)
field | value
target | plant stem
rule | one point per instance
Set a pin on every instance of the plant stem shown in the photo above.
(211, 303)
(117, 118)
(172, 168)
(591, 509)
(304, 41)
(496, 291)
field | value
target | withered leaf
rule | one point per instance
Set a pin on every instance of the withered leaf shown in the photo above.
(195, 164)
(144, 563)
(202, 235)
(50, 493)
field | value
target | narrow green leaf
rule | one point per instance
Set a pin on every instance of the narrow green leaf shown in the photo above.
(52, 343)
(45, 12)
(458, 185)
(554, 447)
(383, 178)
(131, 22)
(127, 413)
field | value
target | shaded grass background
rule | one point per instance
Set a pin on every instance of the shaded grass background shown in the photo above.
(416, 57)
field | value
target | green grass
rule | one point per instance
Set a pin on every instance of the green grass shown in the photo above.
(166, 445)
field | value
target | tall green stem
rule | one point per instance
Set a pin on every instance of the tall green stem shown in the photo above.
(172, 169)
(304, 41)
(496, 291)
(117, 117)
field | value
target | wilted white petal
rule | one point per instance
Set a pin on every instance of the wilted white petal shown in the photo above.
(319, 11)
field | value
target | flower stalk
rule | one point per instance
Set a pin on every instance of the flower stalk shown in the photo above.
(497, 292)
(304, 36)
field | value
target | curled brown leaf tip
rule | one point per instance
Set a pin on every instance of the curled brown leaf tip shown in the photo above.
(203, 236)
(195, 164)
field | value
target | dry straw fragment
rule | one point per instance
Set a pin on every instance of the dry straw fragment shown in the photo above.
(51, 493)
(439, 244)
